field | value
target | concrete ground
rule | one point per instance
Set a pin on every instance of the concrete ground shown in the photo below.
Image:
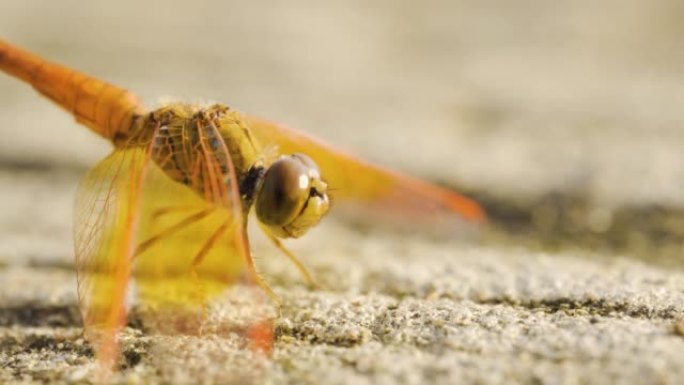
(564, 119)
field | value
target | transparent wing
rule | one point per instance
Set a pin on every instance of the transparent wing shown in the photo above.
(354, 179)
(184, 243)
(107, 218)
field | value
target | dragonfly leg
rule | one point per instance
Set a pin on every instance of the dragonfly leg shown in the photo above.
(293, 258)
(264, 285)
(201, 298)
(251, 269)
(208, 245)
(201, 292)
(187, 221)
(197, 260)
(160, 212)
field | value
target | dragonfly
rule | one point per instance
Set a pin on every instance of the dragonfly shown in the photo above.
(169, 207)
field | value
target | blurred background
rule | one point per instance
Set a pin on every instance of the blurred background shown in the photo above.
(564, 118)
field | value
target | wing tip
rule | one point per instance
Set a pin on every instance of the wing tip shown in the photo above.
(461, 205)
(467, 208)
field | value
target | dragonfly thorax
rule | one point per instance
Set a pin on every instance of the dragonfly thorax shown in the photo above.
(200, 146)
(210, 149)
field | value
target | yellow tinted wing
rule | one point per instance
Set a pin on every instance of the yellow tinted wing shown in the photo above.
(184, 243)
(353, 178)
(106, 222)
(192, 240)
(190, 249)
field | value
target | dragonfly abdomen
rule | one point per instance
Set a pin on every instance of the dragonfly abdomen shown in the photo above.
(104, 108)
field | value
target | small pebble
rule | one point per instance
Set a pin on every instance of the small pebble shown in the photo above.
(679, 328)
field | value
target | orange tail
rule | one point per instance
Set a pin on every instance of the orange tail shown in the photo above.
(106, 109)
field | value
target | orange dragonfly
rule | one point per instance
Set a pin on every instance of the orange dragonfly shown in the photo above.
(170, 204)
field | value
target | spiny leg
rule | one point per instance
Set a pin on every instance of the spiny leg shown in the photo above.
(208, 245)
(251, 268)
(163, 211)
(293, 258)
(171, 230)
(197, 260)
(262, 283)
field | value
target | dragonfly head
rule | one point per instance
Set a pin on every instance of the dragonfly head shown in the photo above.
(293, 197)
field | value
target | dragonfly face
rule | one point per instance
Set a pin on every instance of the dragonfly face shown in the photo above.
(292, 197)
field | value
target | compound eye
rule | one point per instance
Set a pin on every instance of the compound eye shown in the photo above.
(284, 191)
(313, 170)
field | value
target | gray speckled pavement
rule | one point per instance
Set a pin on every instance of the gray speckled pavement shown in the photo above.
(564, 118)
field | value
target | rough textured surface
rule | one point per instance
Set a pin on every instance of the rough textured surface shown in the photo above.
(564, 118)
